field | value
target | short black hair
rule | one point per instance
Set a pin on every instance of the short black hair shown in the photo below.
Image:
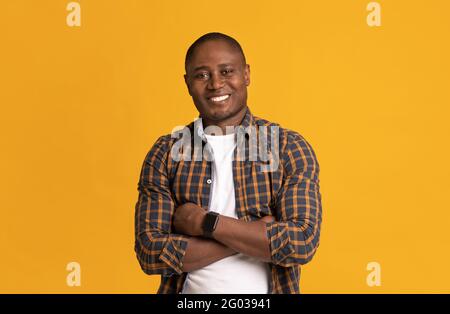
(212, 36)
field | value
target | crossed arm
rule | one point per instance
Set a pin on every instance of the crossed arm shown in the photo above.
(183, 249)
(167, 248)
(231, 236)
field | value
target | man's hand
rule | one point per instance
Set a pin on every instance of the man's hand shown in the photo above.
(267, 219)
(188, 219)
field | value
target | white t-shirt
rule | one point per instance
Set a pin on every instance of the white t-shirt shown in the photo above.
(238, 273)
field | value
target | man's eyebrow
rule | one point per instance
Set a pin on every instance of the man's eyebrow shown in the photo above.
(200, 68)
(206, 67)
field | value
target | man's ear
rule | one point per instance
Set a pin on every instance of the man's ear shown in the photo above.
(247, 74)
(187, 83)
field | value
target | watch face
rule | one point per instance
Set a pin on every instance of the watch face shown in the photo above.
(210, 222)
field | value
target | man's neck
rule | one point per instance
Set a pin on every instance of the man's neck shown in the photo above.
(234, 120)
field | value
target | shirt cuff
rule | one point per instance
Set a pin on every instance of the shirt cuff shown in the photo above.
(280, 246)
(173, 252)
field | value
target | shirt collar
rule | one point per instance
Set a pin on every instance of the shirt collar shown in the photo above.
(246, 124)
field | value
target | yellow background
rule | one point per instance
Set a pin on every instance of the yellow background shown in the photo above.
(81, 106)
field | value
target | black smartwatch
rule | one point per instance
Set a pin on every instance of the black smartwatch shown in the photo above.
(210, 224)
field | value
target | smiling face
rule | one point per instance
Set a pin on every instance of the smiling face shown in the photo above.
(217, 79)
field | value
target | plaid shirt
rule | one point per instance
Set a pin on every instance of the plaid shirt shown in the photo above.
(290, 193)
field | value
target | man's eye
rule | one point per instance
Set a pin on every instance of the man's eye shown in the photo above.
(202, 75)
(227, 71)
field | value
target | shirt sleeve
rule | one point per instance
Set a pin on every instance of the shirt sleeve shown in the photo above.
(158, 250)
(294, 236)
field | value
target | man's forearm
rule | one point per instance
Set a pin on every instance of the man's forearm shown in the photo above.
(248, 238)
(234, 235)
(201, 252)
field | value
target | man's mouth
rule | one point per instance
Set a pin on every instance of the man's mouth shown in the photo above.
(219, 99)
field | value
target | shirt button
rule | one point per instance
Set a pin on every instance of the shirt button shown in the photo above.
(209, 181)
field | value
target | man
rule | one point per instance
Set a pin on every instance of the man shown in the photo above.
(225, 224)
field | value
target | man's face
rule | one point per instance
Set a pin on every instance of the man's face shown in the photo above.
(217, 80)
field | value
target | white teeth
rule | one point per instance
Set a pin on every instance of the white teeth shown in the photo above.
(220, 98)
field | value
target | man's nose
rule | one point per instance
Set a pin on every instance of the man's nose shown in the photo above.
(215, 81)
